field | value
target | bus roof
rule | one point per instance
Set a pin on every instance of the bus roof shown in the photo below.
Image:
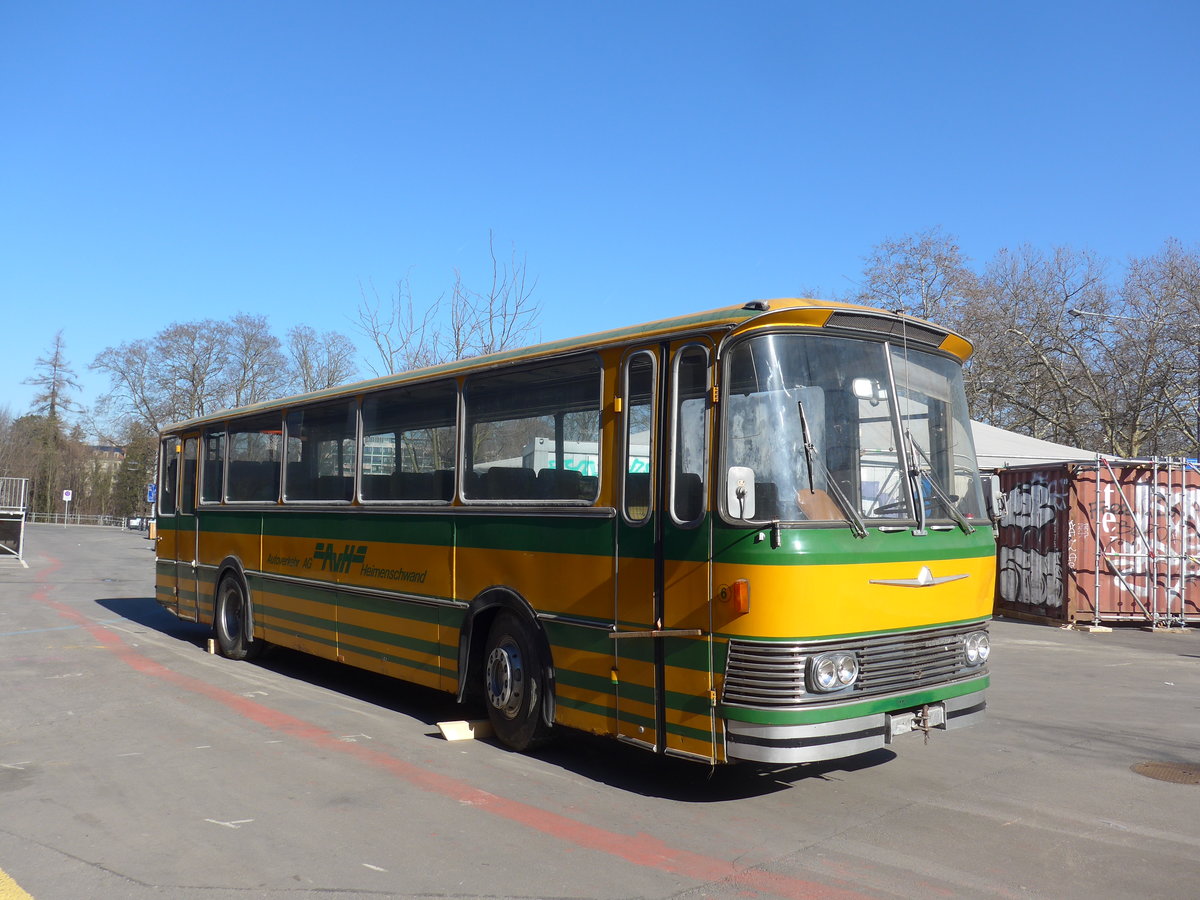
(750, 316)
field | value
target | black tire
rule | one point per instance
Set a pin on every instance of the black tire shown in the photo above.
(231, 621)
(514, 684)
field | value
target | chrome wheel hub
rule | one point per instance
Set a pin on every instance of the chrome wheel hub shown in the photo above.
(506, 678)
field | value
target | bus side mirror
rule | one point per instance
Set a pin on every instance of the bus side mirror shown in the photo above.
(739, 492)
(997, 503)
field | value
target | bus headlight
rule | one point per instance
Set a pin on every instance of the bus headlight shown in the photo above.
(832, 671)
(978, 647)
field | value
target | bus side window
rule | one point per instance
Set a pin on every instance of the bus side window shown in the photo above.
(526, 429)
(254, 451)
(410, 439)
(689, 449)
(169, 477)
(212, 467)
(187, 488)
(321, 448)
(640, 392)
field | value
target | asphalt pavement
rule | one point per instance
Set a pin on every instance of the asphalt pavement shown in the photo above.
(134, 764)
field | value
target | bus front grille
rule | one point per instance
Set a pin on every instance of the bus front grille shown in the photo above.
(771, 674)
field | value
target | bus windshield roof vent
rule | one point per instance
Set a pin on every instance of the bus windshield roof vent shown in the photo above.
(887, 327)
(757, 305)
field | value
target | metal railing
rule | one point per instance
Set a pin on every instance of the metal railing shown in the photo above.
(73, 519)
(1153, 560)
(12, 494)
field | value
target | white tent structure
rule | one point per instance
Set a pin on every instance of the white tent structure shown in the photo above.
(997, 448)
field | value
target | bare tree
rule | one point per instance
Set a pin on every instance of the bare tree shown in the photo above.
(194, 364)
(319, 361)
(54, 381)
(465, 323)
(135, 391)
(498, 318)
(1061, 351)
(1159, 351)
(1035, 370)
(924, 274)
(179, 373)
(403, 338)
(9, 452)
(256, 367)
(194, 368)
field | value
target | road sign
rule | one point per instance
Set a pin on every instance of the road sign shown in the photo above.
(66, 496)
(151, 493)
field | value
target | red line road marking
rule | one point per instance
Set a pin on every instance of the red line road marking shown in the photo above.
(640, 849)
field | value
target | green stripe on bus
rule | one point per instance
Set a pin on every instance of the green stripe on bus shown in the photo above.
(681, 652)
(599, 684)
(413, 612)
(432, 648)
(401, 661)
(697, 704)
(831, 546)
(304, 635)
(854, 710)
(587, 707)
(588, 536)
(314, 592)
(696, 734)
(577, 637)
(687, 653)
(278, 616)
(397, 658)
(275, 614)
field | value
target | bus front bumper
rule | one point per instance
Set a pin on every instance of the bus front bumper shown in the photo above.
(785, 744)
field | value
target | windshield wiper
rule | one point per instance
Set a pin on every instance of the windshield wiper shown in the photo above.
(917, 451)
(810, 454)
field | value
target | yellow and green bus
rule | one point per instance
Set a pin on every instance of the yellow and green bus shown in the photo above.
(751, 534)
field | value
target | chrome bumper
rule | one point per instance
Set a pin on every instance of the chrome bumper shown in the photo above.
(846, 737)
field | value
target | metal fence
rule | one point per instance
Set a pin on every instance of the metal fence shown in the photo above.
(12, 494)
(12, 517)
(72, 519)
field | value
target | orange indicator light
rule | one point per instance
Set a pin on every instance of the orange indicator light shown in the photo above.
(737, 595)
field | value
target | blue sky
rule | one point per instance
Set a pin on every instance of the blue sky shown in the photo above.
(173, 161)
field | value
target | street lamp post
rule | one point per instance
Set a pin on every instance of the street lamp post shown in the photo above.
(1077, 313)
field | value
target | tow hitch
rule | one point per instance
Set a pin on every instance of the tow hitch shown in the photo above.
(925, 719)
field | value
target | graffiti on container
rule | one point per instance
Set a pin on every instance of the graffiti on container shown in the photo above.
(1029, 577)
(1034, 503)
(1153, 506)
(1031, 572)
(1157, 551)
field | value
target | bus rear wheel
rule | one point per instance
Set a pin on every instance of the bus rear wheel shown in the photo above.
(514, 684)
(232, 621)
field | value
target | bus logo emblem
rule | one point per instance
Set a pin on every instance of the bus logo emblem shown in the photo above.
(335, 561)
(924, 579)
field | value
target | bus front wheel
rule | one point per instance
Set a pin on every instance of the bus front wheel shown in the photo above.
(232, 621)
(514, 685)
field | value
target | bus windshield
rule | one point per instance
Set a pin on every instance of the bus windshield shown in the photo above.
(830, 429)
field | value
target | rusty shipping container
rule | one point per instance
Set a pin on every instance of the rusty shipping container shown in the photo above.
(1100, 542)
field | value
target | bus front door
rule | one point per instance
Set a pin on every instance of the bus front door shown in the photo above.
(188, 533)
(166, 541)
(663, 655)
